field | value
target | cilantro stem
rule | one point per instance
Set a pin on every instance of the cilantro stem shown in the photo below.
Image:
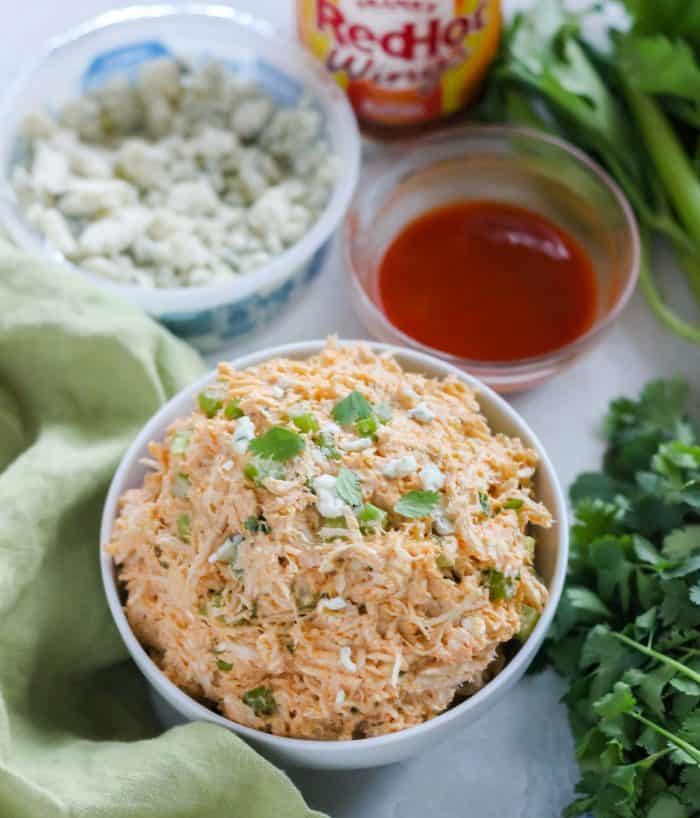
(692, 750)
(652, 759)
(681, 640)
(660, 657)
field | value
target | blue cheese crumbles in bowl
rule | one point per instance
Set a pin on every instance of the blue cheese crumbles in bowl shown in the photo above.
(189, 158)
(333, 547)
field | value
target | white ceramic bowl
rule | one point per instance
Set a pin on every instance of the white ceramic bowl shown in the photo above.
(119, 42)
(370, 752)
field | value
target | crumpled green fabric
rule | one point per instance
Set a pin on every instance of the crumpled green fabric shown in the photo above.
(80, 372)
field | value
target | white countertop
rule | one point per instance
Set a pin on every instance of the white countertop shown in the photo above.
(517, 762)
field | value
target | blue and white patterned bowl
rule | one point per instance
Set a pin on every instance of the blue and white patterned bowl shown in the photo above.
(121, 40)
(211, 328)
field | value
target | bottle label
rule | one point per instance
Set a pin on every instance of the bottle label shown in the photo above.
(403, 61)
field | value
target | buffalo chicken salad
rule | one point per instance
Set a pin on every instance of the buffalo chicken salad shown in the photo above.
(331, 548)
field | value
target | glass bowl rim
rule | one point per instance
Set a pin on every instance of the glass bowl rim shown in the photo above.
(517, 366)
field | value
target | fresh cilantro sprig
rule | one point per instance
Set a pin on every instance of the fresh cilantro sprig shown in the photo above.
(627, 632)
(347, 486)
(277, 444)
(351, 409)
(417, 503)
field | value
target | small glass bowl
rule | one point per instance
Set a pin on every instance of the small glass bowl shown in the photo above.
(513, 165)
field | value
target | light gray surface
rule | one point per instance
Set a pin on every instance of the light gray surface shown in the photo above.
(517, 762)
(514, 763)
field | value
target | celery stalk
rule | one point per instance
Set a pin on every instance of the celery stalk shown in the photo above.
(662, 311)
(675, 169)
(690, 264)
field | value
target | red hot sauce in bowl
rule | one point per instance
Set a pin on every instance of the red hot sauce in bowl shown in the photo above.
(488, 281)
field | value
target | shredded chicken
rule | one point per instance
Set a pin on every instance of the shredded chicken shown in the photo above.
(331, 627)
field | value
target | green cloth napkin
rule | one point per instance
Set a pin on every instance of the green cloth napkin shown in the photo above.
(80, 372)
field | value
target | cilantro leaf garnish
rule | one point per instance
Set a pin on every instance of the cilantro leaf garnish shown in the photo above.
(223, 666)
(347, 486)
(417, 503)
(261, 701)
(277, 444)
(351, 409)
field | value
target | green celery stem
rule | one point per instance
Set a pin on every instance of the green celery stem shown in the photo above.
(677, 173)
(690, 263)
(664, 313)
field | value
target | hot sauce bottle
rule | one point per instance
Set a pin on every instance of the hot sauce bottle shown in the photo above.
(403, 62)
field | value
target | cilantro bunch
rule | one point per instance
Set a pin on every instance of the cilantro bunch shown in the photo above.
(627, 633)
(622, 81)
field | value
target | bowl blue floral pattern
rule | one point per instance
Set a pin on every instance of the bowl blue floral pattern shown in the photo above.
(209, 330)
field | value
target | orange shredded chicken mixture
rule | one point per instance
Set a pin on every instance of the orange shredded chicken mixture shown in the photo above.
(331, 548)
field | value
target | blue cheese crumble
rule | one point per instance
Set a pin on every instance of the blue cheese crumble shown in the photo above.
(184, 178)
